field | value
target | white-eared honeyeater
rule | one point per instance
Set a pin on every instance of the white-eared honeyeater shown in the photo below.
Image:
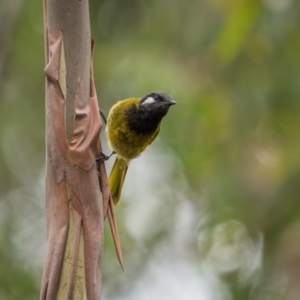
(132, 125)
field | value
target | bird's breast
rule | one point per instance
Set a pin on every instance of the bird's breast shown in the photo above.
(130, 130)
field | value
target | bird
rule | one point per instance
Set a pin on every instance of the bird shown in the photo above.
(132, 124)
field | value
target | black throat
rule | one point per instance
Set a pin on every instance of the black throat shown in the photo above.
(142, 120)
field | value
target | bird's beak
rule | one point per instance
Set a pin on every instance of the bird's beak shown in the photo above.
(171, 102)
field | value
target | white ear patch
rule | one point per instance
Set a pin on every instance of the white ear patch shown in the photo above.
(148, 101)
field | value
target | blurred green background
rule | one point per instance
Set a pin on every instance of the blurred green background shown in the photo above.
(211, 210)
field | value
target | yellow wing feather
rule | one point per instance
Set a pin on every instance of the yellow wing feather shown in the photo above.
(116, 178)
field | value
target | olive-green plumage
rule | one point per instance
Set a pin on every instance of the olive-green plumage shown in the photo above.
(132, 125)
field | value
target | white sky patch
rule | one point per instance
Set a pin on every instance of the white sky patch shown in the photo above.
(173, 272)
(169, 277)
(147, 185)
(148, 101)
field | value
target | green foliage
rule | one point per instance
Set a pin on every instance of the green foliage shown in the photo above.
(233, 67)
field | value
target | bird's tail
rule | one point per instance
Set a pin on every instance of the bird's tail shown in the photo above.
(116, 178)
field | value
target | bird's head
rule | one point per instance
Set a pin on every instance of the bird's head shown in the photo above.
(157, 102)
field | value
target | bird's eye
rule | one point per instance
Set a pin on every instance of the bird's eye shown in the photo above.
(157, 98)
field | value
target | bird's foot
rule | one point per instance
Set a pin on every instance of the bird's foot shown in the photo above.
(104, 157)
(103, 117)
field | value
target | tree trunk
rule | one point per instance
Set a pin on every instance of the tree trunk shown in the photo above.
(74, 204)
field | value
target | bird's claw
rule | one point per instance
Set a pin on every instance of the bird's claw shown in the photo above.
(104, 157)
(103, 117)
